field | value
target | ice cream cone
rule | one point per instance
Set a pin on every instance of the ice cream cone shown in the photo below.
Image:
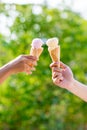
(36, 52)
(54, 49)
(55, 54)
(36, 48)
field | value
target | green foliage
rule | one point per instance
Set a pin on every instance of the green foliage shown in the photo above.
(33, 102)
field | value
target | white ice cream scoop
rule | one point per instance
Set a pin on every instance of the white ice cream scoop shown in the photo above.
(37, 43)
(52, 43)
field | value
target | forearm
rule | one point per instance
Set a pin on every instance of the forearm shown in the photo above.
(5, 72)
(78, 89)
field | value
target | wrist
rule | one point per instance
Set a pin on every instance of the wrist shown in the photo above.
(5, 71)
(71, 84)
(9, 68)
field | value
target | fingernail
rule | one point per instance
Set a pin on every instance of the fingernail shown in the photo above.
(27, 73)
(30, 72)
(33, 69)
(36, 64)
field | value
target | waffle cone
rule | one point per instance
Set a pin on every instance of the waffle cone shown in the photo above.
(55, 54)
(36, 52)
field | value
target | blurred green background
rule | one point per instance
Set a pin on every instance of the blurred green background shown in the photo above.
(33, 102)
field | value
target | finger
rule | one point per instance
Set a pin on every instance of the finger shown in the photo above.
(62, 65)
(28, 72)
(30, 63)
(59, 77)
(33, 63)
(57, 81)
(59, 70)
(56, 69)
(33, 69)
(36, 64)
(30, 57)
(56, 74)
(54, 64)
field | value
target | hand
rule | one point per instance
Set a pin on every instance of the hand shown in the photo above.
(62, 76)
(23, 63)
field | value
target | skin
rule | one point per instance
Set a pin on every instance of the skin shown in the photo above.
(63, 77)
(23, 63)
